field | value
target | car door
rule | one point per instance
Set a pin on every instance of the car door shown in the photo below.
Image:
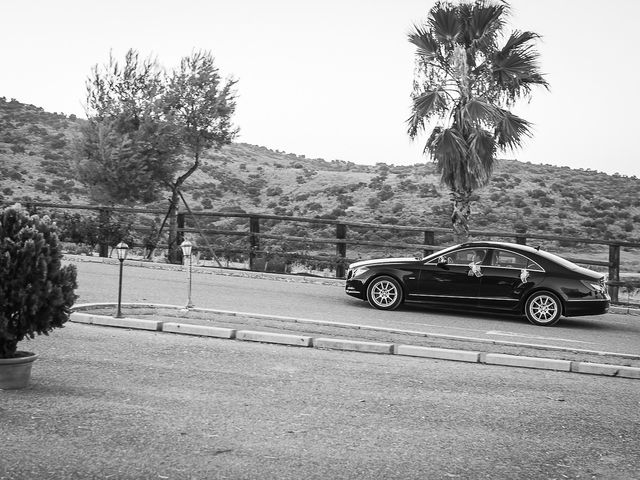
(507, 275)
(455, 281)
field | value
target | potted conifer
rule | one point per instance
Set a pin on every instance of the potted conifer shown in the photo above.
(36, 291)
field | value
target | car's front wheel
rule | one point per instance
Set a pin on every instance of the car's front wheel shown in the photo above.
(385, 293)
(543, 308)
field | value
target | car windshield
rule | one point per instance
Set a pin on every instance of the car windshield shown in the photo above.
(434, 256)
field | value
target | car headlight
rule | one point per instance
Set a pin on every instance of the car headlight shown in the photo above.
(359, 271)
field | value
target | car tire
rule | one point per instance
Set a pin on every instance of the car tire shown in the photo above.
(385, 293)
(543, 309)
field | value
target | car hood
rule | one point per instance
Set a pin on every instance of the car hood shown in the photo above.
(382, 261)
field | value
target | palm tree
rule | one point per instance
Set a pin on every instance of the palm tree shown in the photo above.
(464, 84)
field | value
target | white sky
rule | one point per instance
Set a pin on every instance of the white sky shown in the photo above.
(332, 78)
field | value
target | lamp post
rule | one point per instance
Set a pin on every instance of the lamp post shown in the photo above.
(186, 251)
(121, 250)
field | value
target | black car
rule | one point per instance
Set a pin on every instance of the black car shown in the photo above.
(491, 276)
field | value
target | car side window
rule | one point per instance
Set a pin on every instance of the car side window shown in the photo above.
(507, 259)
(467, 256)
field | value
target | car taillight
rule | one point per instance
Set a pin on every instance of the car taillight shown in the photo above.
(595, 285)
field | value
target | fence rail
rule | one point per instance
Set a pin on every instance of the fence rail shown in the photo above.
(341, 239)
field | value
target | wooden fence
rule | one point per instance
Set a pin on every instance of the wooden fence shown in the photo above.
(341, 240)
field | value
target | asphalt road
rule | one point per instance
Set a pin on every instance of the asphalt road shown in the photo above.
(98, 282)
(109, 403)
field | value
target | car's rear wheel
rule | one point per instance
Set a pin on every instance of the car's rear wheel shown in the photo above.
(385, 293)
(543, 308)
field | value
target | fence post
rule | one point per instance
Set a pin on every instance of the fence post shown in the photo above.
(429, 239)
(254, 241)
(614, 271)
(341, 249)
(103, 226)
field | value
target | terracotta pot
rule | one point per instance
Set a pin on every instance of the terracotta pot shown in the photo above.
(15, 372)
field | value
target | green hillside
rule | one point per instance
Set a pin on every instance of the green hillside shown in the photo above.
(36, 164)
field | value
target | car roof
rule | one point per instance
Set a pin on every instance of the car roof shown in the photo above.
(489, 244)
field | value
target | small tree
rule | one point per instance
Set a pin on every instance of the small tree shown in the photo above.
(467, 80)
(128, 150)
(36, 291)
(148, 130)
(201, 106)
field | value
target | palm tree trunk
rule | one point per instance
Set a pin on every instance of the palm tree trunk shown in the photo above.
(460, 216)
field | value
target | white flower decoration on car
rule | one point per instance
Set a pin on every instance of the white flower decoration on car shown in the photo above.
(474, 269)
(524, 275)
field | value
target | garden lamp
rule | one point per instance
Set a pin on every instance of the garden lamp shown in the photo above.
(186, 251)
(121, 251)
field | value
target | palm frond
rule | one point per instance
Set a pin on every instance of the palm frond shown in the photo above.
(449, 151)
(482, 147)
(511, 130)
(516, 72)
(425, 106)
(477, 111)
(482, 22)
(422, 38)
(518, 40)
(444, 23)
(515, 66)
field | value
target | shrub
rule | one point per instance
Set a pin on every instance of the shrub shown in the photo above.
(274, 191)
(36, 291)
(17, 148)
(385, 193)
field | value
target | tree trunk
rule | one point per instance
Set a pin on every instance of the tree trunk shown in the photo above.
(460, 216)
(174, 254)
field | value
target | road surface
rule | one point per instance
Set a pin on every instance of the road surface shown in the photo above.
(98, 282)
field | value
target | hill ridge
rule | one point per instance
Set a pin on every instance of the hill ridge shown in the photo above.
(36, 164)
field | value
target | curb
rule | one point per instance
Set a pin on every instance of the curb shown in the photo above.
(304, 321)
(360, 346)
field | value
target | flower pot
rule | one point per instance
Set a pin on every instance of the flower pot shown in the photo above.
(15, 372)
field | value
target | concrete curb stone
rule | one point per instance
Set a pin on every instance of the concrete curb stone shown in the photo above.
(438, 353)
(604, 369)
(200, 330)
(527, 362)
(353, 345)
(270, 337)
(132, 323)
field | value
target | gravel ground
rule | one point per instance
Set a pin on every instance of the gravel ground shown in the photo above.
(113, 403)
